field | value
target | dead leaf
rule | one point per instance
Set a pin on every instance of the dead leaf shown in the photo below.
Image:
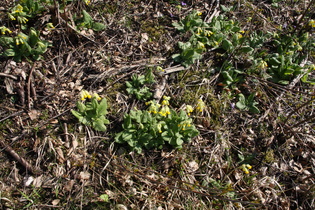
(84, 175)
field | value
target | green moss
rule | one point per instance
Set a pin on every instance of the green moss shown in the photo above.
(269, 156)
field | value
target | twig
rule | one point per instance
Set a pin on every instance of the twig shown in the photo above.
(8, 75)
(21, 160)
(29, 87)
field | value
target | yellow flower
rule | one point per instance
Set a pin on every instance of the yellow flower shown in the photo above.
(207, 33)
(189, 109)
(87, 2)
(199, 13)
(165, 101)
(200, 45)
(245, 168)
(84, 95)
(199, 31)
(200, 105)
(312, 23)
(4, 29)
(97, 96)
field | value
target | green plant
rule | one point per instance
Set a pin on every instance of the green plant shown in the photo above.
(154, 127)
(137, 85)
(87, 22)
(247, 104)
(91, 112)
(24, 45)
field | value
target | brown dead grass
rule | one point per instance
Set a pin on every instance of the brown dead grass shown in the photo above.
(72, 165)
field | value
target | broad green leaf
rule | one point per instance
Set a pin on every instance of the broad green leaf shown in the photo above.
(87, 18)
(9, 53)
(102, 108)
(227, 45)
(99, 125)
(246, 49)
(98, 26)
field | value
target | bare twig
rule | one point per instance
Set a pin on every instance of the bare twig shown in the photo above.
(29, 87)
(21, 160)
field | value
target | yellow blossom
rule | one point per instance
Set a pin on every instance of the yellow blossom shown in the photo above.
(245, 168)
(200, 105)
(189, 109)
(312, 23)
(199, 13)
(208, 33)
(200, 45)
(199, 31)
(84, 95)
(166, 100)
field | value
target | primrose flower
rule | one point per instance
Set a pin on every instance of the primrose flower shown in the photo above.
(165, 101)
(200, 45)
(311, 23)
(245, 168)
(95, 95)
(199, 31)
(262, 65)
(87, 2)
(84, 95)
(4, 29)
(22, 20)
(189, 109)
(207, 33)
(154, 107)
(199, 13)
(50, 26)
(159, 68)
(200, 105)
(18, 9)
(165, 111)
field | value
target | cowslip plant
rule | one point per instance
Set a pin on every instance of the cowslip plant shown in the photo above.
(137, 85)
(220, 32)
(247, 104)
(156, 126)
(23, 45)
(87, 22)
(91, 112)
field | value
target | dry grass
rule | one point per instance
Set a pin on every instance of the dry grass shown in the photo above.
(72, 166)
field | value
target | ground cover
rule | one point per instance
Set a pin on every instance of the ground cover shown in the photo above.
(157, 104)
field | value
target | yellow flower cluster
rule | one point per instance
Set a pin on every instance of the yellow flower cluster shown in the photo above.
(311, 23)
(20, 39)
(87, 2)
(200, 105)
(166, 100)
(4, 29)
(262, 65)
(245, 168)
(85, 94)
(184, 125)
(189, 109)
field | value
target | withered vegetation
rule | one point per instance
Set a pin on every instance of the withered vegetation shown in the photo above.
(49, 160)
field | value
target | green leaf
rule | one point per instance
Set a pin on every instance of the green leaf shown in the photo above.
(102, 108)
(98, 26)
(87, 18)
(241, 104)
(104, 198)
(227, 45)
(246, 49)
(99, 125)
(81, 107)
(254, 109)
(9, 53)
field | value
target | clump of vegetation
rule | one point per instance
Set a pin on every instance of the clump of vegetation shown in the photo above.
(92, 113)
(157, 125)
